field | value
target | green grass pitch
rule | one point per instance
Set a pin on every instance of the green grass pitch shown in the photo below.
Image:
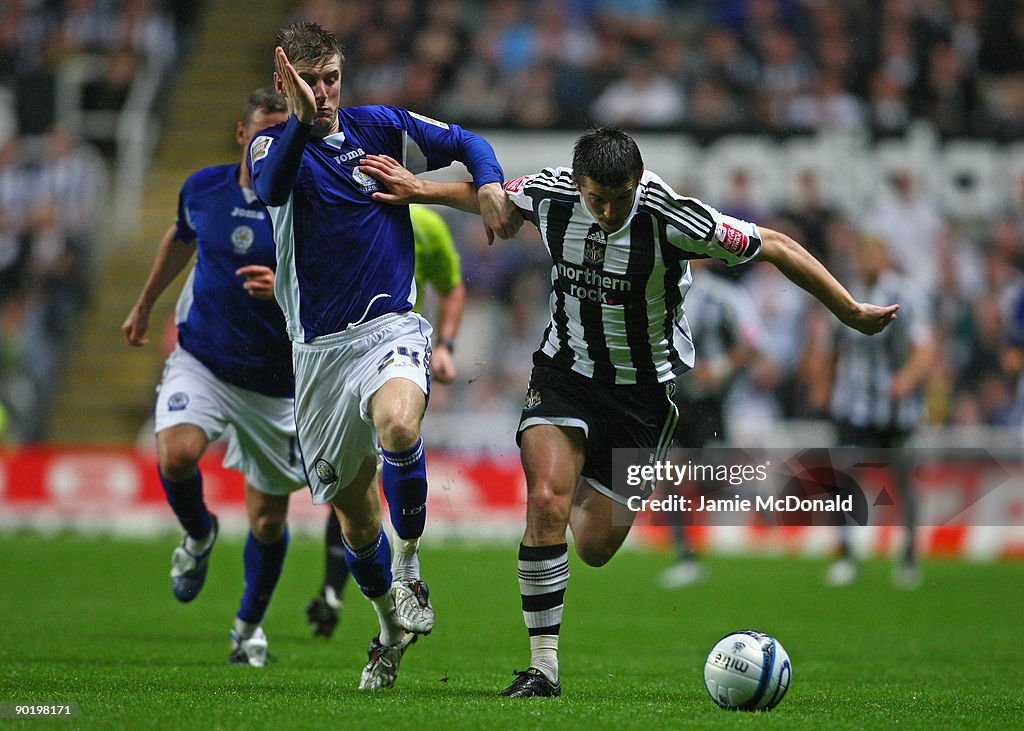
(92, 621)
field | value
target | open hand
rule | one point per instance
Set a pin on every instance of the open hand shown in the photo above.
(870, 319)
(402, 186)
(301, 100)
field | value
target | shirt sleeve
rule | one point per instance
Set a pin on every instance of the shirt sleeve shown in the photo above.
(698, 228)
(185, 231)
(527, 191)
(274, 159)
(429, 144)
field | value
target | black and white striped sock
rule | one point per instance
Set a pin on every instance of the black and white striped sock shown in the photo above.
(543, 576)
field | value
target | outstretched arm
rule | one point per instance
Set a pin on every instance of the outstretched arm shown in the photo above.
(797, 264)
(490, 201)
(172, 256)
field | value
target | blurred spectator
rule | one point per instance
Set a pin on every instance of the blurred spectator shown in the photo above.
(724, 61)
(826, 105)
(49, 193)
(813, 216)
(380, 75)
(770, 391)
(888, 103)
(907, 218)
(950, 96)
(643, 98)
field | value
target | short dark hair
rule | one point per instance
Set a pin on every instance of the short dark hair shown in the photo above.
(309, 43)
(265, 99)
(608, 156)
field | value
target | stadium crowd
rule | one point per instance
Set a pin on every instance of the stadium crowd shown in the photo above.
(703, 67)
(699, 68)
(52, 175)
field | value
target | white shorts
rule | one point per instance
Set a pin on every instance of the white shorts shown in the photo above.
(335, 377)
(263, 444)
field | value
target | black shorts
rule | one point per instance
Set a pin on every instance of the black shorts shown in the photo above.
(611, 417)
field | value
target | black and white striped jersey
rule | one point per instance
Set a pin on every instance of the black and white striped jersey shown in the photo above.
(616, 298)
(721, 317)
(866, 364)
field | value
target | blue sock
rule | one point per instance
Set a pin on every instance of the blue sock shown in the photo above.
(404, 477)
(263, 564)
(371, 566)
(186, 500)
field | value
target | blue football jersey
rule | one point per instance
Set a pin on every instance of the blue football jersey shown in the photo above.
(343, 258)
(241, 339)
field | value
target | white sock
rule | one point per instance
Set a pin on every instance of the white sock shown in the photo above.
(332, 598)
(244, 629)
(405, 561)
(197, 547)
(390, 630)
(544, 655)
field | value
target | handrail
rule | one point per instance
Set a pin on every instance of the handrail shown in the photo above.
(133, 128)
(137, 132)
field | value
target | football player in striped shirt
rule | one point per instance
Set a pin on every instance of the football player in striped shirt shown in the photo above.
(620, 241)
(345, 282)
(875, 389)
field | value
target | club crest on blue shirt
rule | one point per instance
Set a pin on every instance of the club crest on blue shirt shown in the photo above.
(364, 181)
(178, 401)
(242, 239)
(532, 399)
(325, 471)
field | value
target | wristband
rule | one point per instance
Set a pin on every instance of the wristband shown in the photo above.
(448, 343)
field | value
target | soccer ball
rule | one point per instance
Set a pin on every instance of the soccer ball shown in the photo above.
(747, 671)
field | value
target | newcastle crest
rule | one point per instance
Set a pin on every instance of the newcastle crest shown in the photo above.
(532, 399)
(594, 246)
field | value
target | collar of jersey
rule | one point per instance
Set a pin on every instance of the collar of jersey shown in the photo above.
(337, 140)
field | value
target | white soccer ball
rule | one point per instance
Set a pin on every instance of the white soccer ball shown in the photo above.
(747, 671)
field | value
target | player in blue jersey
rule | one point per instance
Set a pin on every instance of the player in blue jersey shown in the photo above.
(232, 367)
(345, 283)
(437, 266)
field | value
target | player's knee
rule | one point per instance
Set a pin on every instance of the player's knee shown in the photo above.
(268, 528)
(179, 462)
(398, 433)
(546, 505)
